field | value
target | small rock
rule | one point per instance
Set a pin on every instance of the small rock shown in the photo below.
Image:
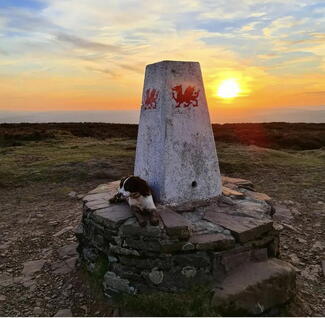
(189, 271)
(277, 226)
(32, 267)
(116, 312)
(84, 308)
(288, 202)
(320, 202)
(61, 268)
(311, 272)
(116, 283)
(72, 194)
(290, 227)
(68, 250)
(3, 297)
(188, 246)
(317, 246)
(301, 240)
(282, 214)
(5, 280)
(323, 266)
(64, 230)
(294, 259)
(37, 311)
(63, 313)
(156, 276)
(295, 211)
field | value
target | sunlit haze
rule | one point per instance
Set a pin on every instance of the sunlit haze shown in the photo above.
(89, 55)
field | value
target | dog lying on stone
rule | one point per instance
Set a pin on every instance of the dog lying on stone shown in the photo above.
(137, 193)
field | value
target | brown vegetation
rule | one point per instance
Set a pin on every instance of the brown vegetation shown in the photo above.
(295, 136)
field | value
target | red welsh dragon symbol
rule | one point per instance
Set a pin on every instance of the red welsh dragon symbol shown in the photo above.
(151, 98)
(189, 97)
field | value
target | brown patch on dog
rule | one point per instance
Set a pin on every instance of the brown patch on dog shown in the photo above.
(135, 184)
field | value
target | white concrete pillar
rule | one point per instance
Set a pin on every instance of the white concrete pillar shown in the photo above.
(176, 152)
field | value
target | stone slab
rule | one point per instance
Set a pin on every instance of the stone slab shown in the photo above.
(113, 215)
(198, 259)
(175, 224)
(212, 241)
(237, 181)
(95, 205)
(230, 192)
(235, 258)
(255, 288)
(133, 229)
(98, 196)
(243, 228)
(258, 196)
(107, 187)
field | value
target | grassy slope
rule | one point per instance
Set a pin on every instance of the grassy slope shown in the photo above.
(68, 158)
(61, 159)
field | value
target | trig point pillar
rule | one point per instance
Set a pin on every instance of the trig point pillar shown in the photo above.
(176, 152)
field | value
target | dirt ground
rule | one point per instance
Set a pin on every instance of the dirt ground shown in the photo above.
(38, 275)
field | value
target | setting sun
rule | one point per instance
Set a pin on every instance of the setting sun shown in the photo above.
(228, 88)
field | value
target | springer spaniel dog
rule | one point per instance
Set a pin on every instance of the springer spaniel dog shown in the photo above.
(138, 195)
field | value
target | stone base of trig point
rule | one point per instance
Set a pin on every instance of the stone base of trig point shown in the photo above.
(229, 245)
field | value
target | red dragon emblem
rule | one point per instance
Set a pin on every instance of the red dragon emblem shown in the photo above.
(190, 96)
(151, 98)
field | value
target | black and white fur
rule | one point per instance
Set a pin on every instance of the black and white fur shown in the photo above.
(138, 194)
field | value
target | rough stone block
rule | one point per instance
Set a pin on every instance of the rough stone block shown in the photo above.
(255, 288)
(146, 263)
(243, 228)
(113, 215)
(212, 241)
(151, 245)
(133, 229)
(237, 181)
(114, 283)
(258, 196)
(259, 254)
(234, 259)
(114, 249)
(200, 259)
(95, 205)
(105, 196)
(171, 246)
(254, 209)
(110, 187)
(230, 192)
(175, 224)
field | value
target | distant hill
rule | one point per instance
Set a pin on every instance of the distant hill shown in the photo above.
(296, 136)
(224, 115)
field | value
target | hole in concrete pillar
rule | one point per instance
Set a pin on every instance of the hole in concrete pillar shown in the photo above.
(194, 184)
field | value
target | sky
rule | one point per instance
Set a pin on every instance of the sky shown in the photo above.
(90, 55)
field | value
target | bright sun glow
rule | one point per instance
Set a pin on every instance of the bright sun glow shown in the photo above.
(228, 88)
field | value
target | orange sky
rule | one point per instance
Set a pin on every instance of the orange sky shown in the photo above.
(91, 55)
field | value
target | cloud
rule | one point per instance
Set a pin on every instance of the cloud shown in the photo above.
(86, 44)
(108, 43)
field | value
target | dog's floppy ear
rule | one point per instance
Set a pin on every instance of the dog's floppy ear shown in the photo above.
(122, 181)
(136, 184)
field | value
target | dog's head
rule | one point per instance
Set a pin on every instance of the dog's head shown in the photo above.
(132, 184)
